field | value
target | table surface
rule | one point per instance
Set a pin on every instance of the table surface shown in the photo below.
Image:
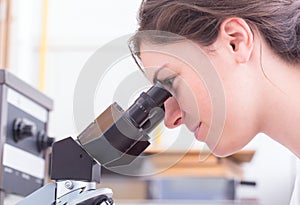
(184, 202)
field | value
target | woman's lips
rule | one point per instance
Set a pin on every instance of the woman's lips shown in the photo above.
(197, 133)
(196, 128)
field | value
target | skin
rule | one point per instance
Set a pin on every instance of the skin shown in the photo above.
(261, 90)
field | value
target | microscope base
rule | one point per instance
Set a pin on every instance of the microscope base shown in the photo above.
(78, 196)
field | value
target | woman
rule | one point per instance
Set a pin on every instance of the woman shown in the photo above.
(254, 48)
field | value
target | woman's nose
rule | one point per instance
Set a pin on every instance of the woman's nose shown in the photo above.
(173, 114)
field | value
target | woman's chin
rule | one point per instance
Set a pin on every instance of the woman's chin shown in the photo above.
(220, 151)
(199, 137)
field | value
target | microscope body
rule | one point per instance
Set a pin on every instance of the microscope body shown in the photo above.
(115, 138)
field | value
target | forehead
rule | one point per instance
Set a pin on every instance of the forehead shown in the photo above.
(180, 57)
(164, 61)
(162, 55)
(154, 60)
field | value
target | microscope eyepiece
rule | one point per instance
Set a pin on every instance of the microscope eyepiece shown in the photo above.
(140, 111)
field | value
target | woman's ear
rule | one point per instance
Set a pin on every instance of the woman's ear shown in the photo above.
(238, 38)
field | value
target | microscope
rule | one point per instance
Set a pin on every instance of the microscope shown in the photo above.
(115, 138)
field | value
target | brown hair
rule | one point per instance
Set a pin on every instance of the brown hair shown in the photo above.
(278, 21)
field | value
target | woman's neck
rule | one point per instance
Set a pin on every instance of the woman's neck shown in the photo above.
(281, 102)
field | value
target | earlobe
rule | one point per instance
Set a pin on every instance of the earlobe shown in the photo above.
(238, 37)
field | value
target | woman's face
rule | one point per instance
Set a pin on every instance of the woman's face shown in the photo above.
(209, 96)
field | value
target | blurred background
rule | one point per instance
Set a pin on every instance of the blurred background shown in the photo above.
(46, 44)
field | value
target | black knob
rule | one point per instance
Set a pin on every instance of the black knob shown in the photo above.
(44, 141)
(23, 128)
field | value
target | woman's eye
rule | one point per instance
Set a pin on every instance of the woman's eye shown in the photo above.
(169, 82)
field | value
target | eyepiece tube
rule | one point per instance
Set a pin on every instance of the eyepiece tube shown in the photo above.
(154, 98)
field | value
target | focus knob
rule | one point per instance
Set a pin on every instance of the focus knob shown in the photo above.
(23, 128)
(44, 141)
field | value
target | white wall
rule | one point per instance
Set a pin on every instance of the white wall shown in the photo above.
(76, 28)
(25, 36)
